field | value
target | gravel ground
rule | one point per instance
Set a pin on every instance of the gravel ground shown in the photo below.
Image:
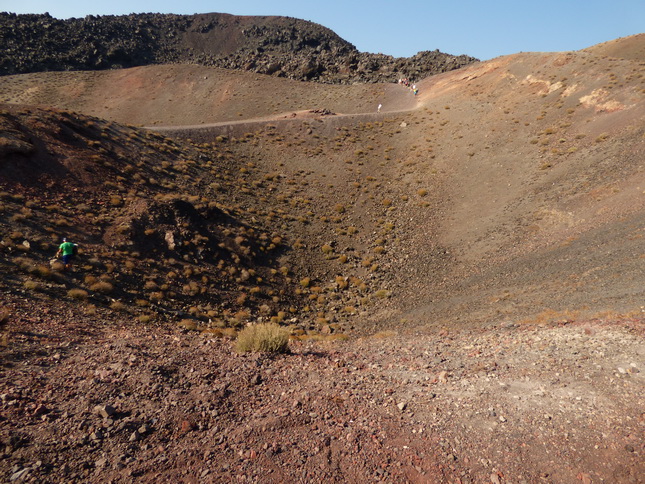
(85, 398)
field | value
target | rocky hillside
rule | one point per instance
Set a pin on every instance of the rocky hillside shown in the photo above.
(196, 233)
(279, 46)
(461, 273)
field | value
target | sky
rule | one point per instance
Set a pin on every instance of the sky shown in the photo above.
(480, 28)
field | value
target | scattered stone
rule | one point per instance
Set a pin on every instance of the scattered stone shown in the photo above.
(402, 406)
(16, 476)
(104, 411)
(186, 426)
(40, 410)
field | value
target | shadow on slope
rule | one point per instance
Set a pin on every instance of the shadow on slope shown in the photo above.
(164, 228)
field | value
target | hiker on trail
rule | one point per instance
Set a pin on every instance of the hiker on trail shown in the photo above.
(68, 251)
(378, 110)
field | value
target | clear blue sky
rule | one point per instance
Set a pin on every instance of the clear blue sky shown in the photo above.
(481, 28)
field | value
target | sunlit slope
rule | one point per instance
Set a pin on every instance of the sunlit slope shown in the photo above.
(503, 190)
(189, 94)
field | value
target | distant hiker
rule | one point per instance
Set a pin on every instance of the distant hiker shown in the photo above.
(415, 91)
(68, 251)
(378, 110)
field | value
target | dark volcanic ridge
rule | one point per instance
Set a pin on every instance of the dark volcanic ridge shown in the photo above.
(278, 46)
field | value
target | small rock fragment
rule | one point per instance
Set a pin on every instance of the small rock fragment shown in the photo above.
(16, 476)
(186, 426)
(104, 411)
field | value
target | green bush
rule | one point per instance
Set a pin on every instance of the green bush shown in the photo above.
(264, 338)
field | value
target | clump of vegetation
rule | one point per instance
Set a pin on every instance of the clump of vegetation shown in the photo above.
(263, 338)
(102, 287)
(78, 294)
(117, 306)
(31, 285)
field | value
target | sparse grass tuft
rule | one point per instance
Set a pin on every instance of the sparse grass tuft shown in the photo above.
(117, 306)
(78, 294)
(264, 338)
(188, 324)
(32, 285)
(102, 287)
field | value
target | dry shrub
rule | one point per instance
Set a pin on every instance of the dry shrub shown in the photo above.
(57, 265)
(117, 306)
(263, 338)
(342, 282)
(382, 293)
(90, 279)
(103, 287)
(337, 337)
(156, 296)
(150, 286)
(41, 271)
(31, 285)
(384, 334)
(78, 294)
(189, 324)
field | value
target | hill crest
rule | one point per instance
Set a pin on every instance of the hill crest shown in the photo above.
(278, 46)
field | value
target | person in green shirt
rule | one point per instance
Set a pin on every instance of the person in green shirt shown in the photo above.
(67, 250)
